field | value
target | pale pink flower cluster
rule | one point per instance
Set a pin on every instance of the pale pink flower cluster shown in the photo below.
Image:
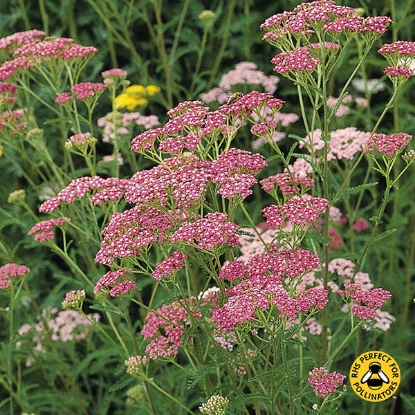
(344, 143)
(56, 325)
(325, 382)
(344, 109)
(81, 140)
(11, 270)
(134, 364)
(245, 73)
(116, 124)
(114, 73)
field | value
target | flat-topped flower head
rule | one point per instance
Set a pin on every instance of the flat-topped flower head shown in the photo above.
(11, 271)
(324, 382)
(114, 73)
(209, 232)
(103, 189)
(297, 60)
(183, 107)
(59, 48)
(287, 183)
(85, 90)
(115, 283)
(10, 43)
(387, 145)
(10, 68)
(43, 231)
(298, 210)
(253, 102)
(169, 266)
(399, 53)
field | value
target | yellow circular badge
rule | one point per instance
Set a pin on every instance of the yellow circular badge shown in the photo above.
(375, 376)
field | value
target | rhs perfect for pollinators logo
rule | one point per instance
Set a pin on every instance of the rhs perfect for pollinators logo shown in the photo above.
(375, 376)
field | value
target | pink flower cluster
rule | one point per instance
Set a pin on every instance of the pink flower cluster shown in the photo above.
(322, 15)
(132, 230)
(170, 265)
(166, 328)
(295, 60)
(58, 48)
(365, 302)
(30, 51)
(43, 230)
(10, 120)
(387, 145)
(114, 73)
(105, 189)
(288, 183)
(11, 270)
(11, 42)
(82, 91)
(234, 170)
(298, 210)
(325, 382)
(261, 286)
(208, 232)
(398, 49)
(113, 280)
(191, 121)
(7, 93)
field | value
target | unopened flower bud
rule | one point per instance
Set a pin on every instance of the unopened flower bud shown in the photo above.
(17, 197)
(207, 17)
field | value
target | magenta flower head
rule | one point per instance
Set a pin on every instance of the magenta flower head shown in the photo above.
(115, 283)
(297, 60)
(43, 231)
(85, 90)
(325, 382)
(9, 271)
(387, 145)
(400, 53)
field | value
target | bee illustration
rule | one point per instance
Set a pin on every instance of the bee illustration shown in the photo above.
(234, 97)
(374, 377)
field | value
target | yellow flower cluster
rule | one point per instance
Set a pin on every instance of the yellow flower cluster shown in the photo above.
(135, 96)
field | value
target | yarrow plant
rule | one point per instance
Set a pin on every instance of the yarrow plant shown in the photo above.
(221, 268)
